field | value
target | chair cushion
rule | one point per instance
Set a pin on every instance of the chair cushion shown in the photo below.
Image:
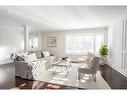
(46, 53)
(91, 63)
(94, 63)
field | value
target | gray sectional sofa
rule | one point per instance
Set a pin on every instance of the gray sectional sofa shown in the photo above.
(32, 64)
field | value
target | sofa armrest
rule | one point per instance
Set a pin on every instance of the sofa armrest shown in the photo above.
(21, 64)
(25, 65)
(21, 69)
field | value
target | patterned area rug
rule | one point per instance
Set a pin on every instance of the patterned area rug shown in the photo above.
(69, 79)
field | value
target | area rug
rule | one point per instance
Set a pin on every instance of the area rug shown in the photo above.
(70, 79)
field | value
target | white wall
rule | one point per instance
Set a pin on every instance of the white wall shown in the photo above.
(59, 51)
(10, 41)
(117, 43)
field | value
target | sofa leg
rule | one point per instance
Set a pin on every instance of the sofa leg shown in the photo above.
(78, 76)
(94, 77)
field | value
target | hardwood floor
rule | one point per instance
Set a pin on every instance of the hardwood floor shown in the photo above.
(114, 79)
(9, 81)
(29, 84)
(7, 78)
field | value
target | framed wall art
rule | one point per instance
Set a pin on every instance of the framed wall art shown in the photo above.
(52, 41)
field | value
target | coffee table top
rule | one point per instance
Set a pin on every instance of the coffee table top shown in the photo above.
(62, 62)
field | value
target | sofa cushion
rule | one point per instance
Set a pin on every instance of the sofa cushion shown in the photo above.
(46, 53)
(30, 57)
(38, 53)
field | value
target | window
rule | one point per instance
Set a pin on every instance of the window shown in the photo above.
(99, 39)
(81, 44)
(74, 44)
(88, 43)
(33, 41)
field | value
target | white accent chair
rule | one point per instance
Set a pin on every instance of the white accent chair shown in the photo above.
(92, 68)
(86, 58)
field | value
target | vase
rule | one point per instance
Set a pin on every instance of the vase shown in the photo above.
(102, 60)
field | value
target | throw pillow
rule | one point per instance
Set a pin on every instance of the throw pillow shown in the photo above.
(31, 57)
(46, 53)
(38, 54)
(19, 58)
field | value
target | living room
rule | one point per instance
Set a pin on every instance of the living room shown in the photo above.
(53, 34)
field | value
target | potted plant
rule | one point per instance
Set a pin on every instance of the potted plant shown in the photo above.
(103, 52)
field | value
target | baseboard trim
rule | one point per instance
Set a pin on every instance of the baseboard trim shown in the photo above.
(123, 72)
(5, 62)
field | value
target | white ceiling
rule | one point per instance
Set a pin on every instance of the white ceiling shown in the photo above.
(46, 18)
